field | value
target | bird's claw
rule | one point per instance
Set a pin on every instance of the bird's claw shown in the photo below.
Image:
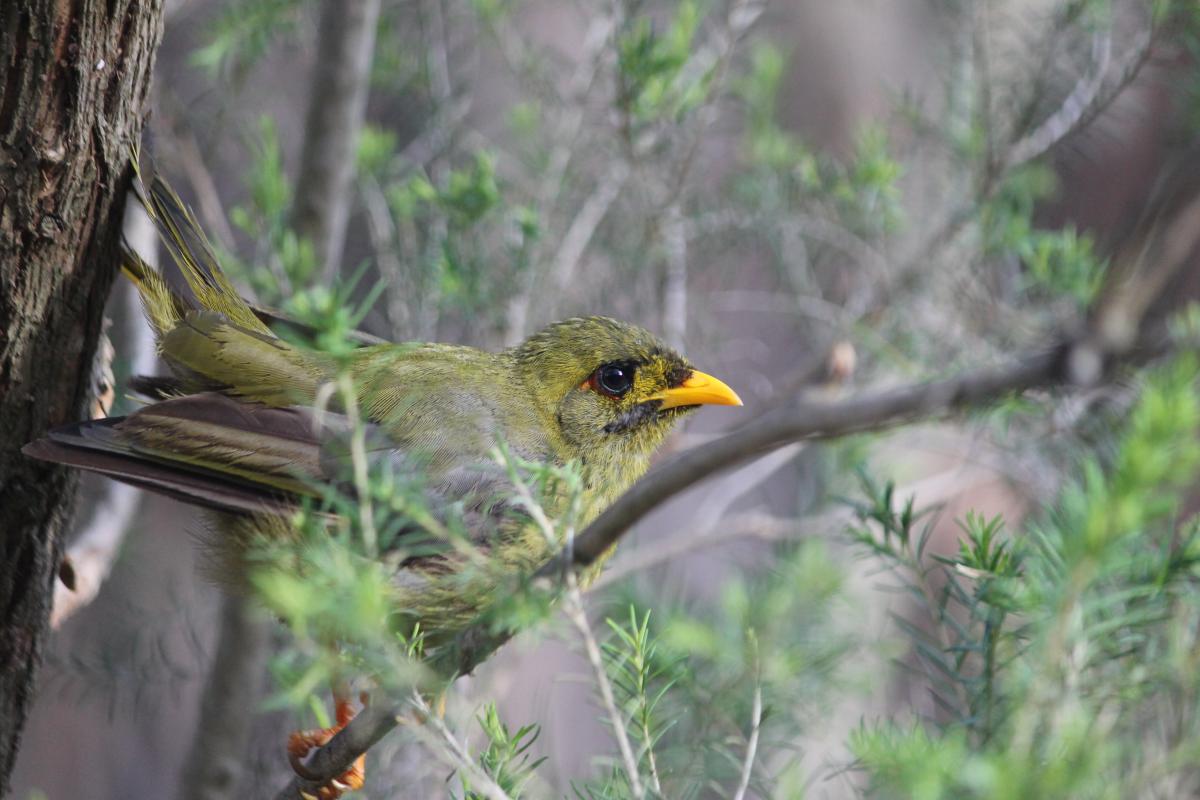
(302, 743)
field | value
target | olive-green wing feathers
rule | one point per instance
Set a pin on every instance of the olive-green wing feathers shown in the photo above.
(214, 339)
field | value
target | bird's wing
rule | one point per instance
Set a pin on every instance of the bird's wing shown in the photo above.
(206, 449)
(221, 453)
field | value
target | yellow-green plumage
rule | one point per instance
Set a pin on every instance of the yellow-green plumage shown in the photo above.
(237, 432)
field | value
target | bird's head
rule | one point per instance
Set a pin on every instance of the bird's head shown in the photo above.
(613, 390)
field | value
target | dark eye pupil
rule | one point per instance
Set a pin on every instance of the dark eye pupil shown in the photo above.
(616, 378)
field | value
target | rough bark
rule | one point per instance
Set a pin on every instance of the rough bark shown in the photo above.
(73, 84)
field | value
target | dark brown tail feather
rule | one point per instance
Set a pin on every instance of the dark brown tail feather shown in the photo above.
(201, 489)
(110, 448)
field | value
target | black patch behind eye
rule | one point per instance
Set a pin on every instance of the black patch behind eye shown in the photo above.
(638, 415)
(677, 374)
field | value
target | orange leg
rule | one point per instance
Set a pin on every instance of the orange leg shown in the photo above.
(301, 743)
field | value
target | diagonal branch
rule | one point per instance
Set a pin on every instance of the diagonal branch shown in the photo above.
(809, 421)
(372, 724)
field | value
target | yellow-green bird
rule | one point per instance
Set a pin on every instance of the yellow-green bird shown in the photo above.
(235, 427)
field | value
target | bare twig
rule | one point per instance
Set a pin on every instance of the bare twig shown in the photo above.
(1073, 109)
(89, 559)
(674, 313)
(573, 607)
(552, 185)
(1126, 71)
(583, 227)
(208, 199)
(358, 460)
(751, 744)
(337, 103)
(755, 525)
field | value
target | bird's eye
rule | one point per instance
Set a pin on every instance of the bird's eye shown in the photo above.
(614, 379)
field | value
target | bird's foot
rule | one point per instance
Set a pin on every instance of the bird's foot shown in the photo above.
(302, 743)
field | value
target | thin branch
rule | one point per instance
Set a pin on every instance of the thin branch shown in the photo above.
(358, 461)
(1073, 109)
(208, 199)
(675, 297)
(751, 744)
(810, 421)
(1126, 71)
(453, 752)
(573, 607)
(327, 762)
(751, 525)
(569, 127)
(585, 223)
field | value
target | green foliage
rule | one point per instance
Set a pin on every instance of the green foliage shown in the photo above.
(506, 759)
(283, 261)
(1049, 653)
(640, 679)
(766, 142)
(654, 81)
(1184, 326)
(686, 684)
(329, 316)
(867, 188)
(471, 193)
(376, 149)
(243, 32)
(860, 193)
(1058, 263)
(926, 766)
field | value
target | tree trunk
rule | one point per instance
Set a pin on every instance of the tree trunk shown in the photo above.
(73, 84)
(337, 103)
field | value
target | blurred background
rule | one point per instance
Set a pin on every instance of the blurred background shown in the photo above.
(808, 198)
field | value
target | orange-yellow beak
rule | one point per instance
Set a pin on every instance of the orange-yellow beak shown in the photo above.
(699, 389)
